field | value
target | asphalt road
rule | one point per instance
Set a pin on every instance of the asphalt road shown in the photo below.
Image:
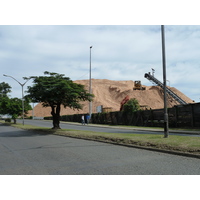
(25, 152)
(97, 128)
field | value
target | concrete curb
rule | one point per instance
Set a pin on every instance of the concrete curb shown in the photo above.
(135, 146)
(142, 147)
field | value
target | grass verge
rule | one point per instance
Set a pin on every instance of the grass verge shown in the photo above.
(184, 144)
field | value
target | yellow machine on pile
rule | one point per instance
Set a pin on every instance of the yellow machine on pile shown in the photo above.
(138, 86)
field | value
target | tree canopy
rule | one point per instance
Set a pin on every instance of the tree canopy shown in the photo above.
(131, 106)
(54, 90)
(5, 88)
(11, 106)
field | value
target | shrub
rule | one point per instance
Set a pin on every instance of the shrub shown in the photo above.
(131, 106)
(8, 120)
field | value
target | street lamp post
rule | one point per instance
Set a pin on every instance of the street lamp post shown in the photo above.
(22, 85)
(166, 125)
(90, 86)
(153, 71)
(168, 82)
(33, 112)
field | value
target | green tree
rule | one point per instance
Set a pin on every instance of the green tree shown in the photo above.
(5, 88)
(13, 107)
(55, 90)
(131, 106)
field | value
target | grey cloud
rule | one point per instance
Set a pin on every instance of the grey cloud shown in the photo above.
(118, 53)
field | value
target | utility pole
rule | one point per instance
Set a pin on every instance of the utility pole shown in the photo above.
(33, 112)
(90, 85)
(166, 124)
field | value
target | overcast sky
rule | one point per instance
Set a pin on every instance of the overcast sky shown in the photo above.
(119, 52)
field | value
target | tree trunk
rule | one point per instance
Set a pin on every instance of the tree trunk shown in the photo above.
(56, 116)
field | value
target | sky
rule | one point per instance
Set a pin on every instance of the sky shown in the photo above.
(38, 36)
(55, 36)
(119, 52)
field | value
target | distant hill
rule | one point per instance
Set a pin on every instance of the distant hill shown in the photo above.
(110, 93)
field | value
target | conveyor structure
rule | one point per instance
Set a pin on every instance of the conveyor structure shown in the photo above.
(170, 92)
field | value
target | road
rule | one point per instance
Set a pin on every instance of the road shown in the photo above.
(27, 153)
(96, 128)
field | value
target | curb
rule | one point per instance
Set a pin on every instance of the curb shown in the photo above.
(132, 145)
(135, 146)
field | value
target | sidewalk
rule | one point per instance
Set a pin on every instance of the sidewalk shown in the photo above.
(138, 128)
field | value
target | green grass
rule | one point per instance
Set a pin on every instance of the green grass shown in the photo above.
(173, 142)
(159, 128)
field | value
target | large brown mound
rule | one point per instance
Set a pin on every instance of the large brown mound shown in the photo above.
(110, 93)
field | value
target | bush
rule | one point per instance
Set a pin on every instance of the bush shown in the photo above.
(8, 120)
(48, 118)
(131, 106)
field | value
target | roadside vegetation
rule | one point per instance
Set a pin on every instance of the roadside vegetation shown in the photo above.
(184, 144)
(54, 90)
(11, 106)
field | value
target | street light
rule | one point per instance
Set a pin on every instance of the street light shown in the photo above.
(166, 125)
(22, 85)
(153, 71)
(90, 86)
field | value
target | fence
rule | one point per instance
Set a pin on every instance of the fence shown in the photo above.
(179, 116)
